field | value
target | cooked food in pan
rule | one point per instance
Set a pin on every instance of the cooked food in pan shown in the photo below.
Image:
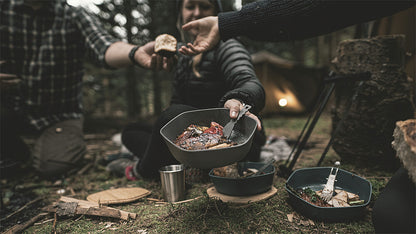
(341, 198)
(231, 171)
(197, 137)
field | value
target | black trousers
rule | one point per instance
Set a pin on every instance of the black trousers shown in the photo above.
(13, 150)
(147, 143)
(394, 210)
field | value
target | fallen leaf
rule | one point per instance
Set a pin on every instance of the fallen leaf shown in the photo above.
(108, 224)
(290, 217)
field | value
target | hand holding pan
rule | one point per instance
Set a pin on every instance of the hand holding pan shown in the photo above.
(228, 128)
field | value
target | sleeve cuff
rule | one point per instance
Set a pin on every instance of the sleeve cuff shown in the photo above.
(229, 24)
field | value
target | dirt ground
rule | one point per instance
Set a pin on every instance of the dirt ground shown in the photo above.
(24, 196)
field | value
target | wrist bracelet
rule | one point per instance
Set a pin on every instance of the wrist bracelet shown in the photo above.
(131, 56)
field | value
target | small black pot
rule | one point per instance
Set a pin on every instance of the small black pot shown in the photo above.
(245, 186)
(315, 179)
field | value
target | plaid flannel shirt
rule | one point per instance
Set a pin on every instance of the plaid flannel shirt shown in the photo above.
(46, 50)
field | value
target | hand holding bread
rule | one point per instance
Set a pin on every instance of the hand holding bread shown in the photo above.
(165, 45)
(149, 59)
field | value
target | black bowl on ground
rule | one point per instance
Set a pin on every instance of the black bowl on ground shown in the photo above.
(245, 186)
(315, 179)
(209, 158)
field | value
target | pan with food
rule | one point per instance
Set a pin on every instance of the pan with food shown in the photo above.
(352, 194)
(203, 157)
(197, 137)
(236, 179)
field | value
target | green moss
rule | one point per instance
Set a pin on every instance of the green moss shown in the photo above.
(206, 215)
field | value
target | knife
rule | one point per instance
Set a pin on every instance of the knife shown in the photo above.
(228, 128)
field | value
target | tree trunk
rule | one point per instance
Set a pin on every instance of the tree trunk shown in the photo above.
(133, 99)
(163, 21)
(299, 52)
(157, 91)
(365, 136)
(405, 145)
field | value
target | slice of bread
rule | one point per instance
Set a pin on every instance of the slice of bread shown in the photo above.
(165, 45)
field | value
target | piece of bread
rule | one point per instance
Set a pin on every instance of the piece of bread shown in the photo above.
(165, 45)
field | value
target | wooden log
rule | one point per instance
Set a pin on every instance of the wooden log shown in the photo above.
(405, 145)
(84, 207)
(366, 134)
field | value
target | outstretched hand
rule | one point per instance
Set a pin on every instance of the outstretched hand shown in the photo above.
(147, 57)
(206, 35)
(235, 106)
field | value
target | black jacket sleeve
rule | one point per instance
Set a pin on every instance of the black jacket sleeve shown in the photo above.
(282, 20)
(240, 77)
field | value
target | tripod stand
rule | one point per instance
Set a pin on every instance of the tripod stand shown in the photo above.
(329, 86)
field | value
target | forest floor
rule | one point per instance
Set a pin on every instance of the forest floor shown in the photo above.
(24, 196)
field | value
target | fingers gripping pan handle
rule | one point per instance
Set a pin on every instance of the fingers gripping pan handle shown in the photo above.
(228, 128)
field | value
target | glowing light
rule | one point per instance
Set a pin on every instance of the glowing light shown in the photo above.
(282, 102)
(238, 4)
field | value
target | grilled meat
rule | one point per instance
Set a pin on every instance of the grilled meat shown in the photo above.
(197, 138)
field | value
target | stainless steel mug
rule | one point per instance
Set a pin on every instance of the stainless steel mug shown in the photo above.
(173, 182)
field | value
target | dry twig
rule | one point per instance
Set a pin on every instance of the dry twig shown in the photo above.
(85, 168)
(21, 227)
(216, 207)
(22, 208)
(178, 202)
(55, 219)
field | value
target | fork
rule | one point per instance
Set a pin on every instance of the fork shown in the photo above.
(328, 190)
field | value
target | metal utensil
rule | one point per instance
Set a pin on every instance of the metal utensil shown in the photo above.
(228, 128)
(328, 190)
(254, 171)
(261, 169)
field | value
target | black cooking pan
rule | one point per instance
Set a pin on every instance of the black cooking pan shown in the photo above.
(245, 186)
(315, 178)
(210, 158)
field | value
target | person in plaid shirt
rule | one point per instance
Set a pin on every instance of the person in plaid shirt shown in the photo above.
(43, 46)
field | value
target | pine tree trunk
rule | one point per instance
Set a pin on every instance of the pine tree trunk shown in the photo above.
(366, 134)
(405, 145)
(157, 91)
(132, 96)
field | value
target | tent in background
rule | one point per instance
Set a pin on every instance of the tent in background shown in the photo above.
(290, 87)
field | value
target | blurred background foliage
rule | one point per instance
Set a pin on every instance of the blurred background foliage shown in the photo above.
(134, 93)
